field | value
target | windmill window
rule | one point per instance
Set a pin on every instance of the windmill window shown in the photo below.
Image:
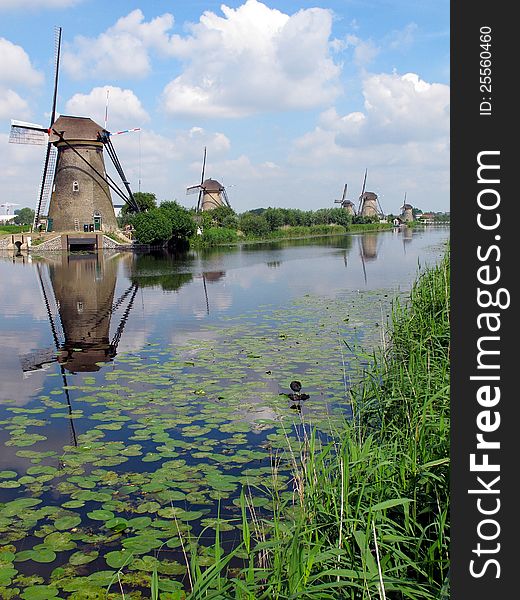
(75, 186)
(80, 307)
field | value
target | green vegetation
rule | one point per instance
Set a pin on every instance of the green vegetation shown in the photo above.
(223, 225)
(168, 223)
(278, 223)
(368, 516)
(14, 228)
(24, 216)
(145, 200)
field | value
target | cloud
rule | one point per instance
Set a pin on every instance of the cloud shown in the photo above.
(253, 59)
(401, 136)
(397, 109)
(12, 105)
(28, 4)
(15, 67)
(364, 51)
(124, 107)
(123, 50)
(402, 39)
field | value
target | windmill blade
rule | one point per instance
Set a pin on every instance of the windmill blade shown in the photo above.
(224, 193)
(201, 189)
(50, 156)
(203, 167)
(49, 168)
(344, 192)
(362, 191)
(22, 132)
(192, 189)
(57, 49)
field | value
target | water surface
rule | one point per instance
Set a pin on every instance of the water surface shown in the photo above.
(140, 391)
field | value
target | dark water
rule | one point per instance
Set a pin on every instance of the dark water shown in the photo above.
(140, 391)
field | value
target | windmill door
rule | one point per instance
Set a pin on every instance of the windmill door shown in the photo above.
(49, 224)
(97, 222)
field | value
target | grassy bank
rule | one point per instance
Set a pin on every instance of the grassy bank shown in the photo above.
(216, 236)
(367, 516)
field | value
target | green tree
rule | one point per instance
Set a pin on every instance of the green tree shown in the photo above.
(182, 224)
(152, 227)
(275, 217)
(24, 216)
(253, 224)
(145, 200)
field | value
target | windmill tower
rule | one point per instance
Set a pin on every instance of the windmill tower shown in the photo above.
(212, 194)
(348, 205)
(406, 211)
(74, 183)
(368, 202)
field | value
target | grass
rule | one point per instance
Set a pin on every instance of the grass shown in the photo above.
(368, 513)
(14, 228)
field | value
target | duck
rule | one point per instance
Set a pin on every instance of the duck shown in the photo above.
(296, 387)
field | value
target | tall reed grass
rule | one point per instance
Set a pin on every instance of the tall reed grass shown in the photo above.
(369, 513)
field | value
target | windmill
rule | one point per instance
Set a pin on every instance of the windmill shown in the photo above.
(212, 194)
(368, 202)
(406, 211)
(7, 215)
(348, 205)
(74, 182)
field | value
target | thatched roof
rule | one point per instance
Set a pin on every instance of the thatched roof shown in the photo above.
(369, 196)
(212, 185)
(76, 128)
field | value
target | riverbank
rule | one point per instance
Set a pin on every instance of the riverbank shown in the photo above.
(229, 237)
(369, 511)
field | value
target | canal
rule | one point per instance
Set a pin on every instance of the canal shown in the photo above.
(142, 392)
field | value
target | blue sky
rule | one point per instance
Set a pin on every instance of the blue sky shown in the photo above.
(292, 99)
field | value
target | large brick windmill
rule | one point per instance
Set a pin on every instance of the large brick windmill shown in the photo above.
(75, 184)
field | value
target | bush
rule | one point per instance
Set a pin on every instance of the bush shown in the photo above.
(182, 223)
(219, 235)
(255, 225)
(152, 227)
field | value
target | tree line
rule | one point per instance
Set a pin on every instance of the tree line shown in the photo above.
(171, 222)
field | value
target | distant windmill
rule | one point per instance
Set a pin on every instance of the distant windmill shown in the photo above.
(348, 205)
(406, 211)
(368, 202)
(212, 194)
(8, 206)
(74, 180)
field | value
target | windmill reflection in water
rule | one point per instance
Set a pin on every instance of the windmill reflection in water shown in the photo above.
(78, 292)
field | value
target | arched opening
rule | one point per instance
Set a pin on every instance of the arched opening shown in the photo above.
(18, 245)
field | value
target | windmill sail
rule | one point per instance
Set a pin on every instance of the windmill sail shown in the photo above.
(28, 133)
(362, 192)
(50, 160)
(201, 190)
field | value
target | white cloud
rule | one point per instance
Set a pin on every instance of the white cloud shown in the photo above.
(124, 107)
(12, 105)
(397, 109)
(252, 59)
(403, 39)
(15, 67)
(123, 50)
(365, 51)
(28, 4)
(401, 136)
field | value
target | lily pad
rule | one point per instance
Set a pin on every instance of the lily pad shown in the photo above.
(68, 522)
(83, 558)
